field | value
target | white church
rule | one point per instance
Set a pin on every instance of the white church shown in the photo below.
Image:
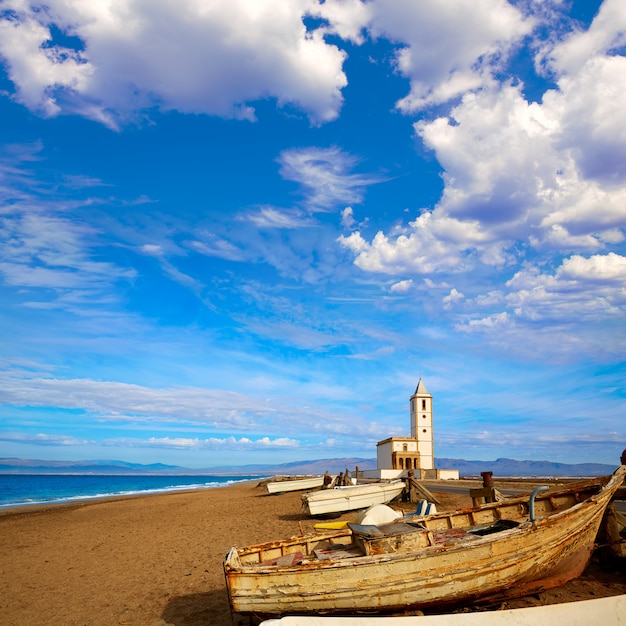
(396, 456)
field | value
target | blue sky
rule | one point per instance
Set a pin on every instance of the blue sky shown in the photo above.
(240, 231)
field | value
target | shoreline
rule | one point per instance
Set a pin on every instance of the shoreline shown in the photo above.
(157, 559)
(122, 493)
(39, 507)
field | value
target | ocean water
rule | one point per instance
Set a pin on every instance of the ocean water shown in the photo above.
(31, 489)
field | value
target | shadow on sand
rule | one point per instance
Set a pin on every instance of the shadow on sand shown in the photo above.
(199, 609)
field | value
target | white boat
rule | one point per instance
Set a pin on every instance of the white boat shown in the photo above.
(295, 484)
(609, 611)
(352, 497)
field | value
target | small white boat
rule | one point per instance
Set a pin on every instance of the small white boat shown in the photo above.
(609, 611)
(295, 484)
(352, 497)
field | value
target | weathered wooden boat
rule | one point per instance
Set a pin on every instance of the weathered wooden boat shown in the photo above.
(294, 484)
(351, 497)
(610, 611)
(488, 553)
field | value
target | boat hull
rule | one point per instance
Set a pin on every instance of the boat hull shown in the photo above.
(351, 498)
(298, 484)
(528, 558)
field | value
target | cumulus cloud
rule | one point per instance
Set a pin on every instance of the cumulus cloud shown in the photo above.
(452, 297)
(429, 244)
(606, 33)
(444, 49)
(402, 286)
(119, 59)
(609, 269)
(577, 309)
(518, 175)
(581, 289)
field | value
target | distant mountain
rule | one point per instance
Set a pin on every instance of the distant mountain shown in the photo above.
(499, 467)
(109, 467)
(319, 466)
(510, 468)
(35, 466)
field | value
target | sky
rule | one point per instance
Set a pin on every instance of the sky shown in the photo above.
(240, 231)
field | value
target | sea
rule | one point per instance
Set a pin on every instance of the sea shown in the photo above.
(22, 490)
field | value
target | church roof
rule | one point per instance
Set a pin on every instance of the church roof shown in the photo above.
(421, 389)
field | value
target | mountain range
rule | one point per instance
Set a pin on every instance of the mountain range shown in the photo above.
(467, 469)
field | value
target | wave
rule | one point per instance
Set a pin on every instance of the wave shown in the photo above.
(31, 490)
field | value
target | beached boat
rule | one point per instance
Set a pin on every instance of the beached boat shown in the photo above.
(488, 553)
(610, 611)
(295, 484)
(351, 497)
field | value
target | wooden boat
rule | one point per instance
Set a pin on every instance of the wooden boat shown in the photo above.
(351, 497)
(610, 611)
(295, 484)
(488, 553)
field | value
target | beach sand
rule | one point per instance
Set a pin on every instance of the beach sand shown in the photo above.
(157, 560)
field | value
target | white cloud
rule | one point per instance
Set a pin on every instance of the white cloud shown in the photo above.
(592, 288)
(452, 297)
(347, 217)
(211, 443)
(152, 249)
(210, 244)
(427, 245)
(607, 32)
(195, 57)
(607, 270)
(270, 217)
(590, 105)
(547, 175)
(449, 48)
(42, 439)
(52, 251)
(198, 408)
(165, 443)
(445, 49)
(325, 174)
(346, 18)
(576, 310)
(402, 286)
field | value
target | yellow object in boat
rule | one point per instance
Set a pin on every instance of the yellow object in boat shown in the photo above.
(331, 525)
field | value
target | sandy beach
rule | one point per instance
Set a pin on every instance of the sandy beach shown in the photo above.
(157, 560)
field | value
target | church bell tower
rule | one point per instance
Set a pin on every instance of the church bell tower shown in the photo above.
(422, 425)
